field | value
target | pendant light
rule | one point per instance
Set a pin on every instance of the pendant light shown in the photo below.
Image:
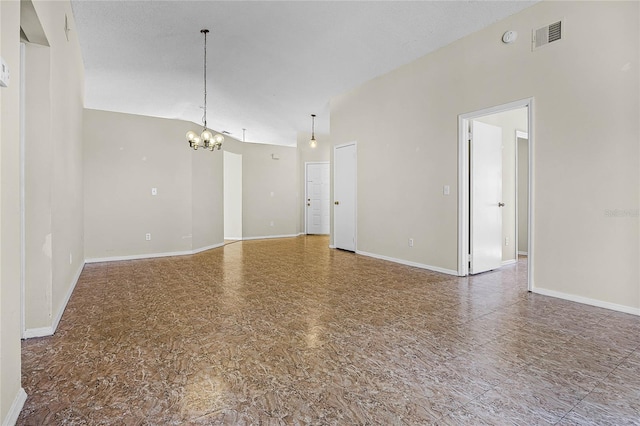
(313, 142)
(206, 139)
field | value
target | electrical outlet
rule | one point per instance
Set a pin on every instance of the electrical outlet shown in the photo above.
(410, 242)
(154, 191)
(506, 241)
(70, 258)
(148, 237)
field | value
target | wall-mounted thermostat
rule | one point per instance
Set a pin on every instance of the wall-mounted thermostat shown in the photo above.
(4, 73)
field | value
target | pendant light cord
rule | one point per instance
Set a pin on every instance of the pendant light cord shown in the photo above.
(204, 118)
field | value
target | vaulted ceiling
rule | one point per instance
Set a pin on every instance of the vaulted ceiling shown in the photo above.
(270, 63)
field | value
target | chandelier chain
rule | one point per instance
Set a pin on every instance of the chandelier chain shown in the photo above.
(206, 139)
(204, 118)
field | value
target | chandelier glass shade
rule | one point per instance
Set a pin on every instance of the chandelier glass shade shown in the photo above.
(206, 139)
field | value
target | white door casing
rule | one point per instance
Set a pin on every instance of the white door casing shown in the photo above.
(317, 202)
(344, 196)
(485, 197)
(464, 190)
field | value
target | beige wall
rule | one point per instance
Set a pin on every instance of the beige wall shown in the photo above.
(67, 98)
(509, 122)
(38, 189)
(10, 211)
(128, 155)
(586, 161)
(269, 189)
(53, 181)
(306, 154)
(207, 212)
(54, 84)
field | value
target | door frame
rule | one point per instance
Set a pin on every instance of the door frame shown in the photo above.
(306, 194)
(355, 195)
(463, 182)
(23, 210)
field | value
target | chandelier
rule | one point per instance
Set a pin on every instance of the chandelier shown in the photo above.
(206, 139)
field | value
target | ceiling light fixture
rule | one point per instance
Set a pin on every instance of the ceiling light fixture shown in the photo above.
(313, 142)
(206, 139)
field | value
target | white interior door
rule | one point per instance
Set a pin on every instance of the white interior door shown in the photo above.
(485, 197)
(318, 198)
(344, 197)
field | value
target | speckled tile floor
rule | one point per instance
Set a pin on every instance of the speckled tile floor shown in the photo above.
(290, 332)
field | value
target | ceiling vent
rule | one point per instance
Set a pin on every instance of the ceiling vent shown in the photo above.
(547, 34)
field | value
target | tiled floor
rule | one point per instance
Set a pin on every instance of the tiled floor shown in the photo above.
(291, 332)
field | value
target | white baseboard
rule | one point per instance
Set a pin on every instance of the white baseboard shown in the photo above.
(588, 301)
(30, 333)
(523, 253)
(58, 317)
(136, 256)
(211, 247)
(509, 262)
(409, 263)
(332, 246)
(49, 331)
(151, 255)
(16, 407)
(266, 237)
(233, 238)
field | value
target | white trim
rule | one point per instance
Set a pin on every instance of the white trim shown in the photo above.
(67, 297)
(30, 333)
(331, 246)
(509, 262)
(233, 238)
(23, 209)
(408, 263)
(530, 224)
(50, 331)
(463, 182)
(151, 255)
(522, 253)
(266, 237)
(136, 256)
(587, 301)
(205, 248)
(15, 409)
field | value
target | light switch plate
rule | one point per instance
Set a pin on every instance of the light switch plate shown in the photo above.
(4, 73)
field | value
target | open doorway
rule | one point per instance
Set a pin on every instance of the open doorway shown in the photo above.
(495, 189)
(232, 193)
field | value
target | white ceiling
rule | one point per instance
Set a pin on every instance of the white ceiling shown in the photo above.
(270, 63)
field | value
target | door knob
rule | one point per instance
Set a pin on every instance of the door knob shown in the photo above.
(500, 204)
(336, 203)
